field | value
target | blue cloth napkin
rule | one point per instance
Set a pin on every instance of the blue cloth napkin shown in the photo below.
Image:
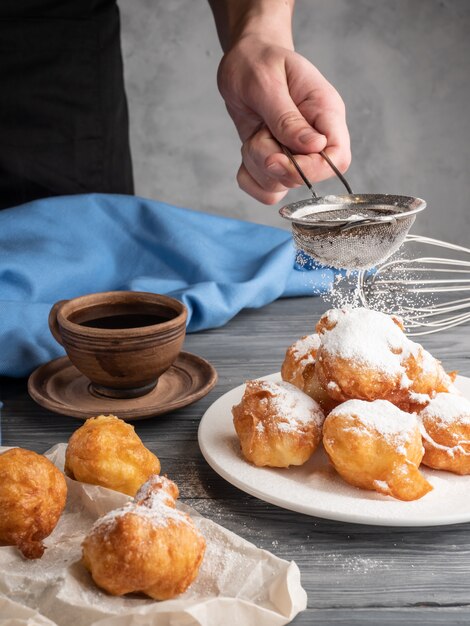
(64, 247)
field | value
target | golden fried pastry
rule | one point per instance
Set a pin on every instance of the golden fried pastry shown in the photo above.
(445, 426)
(106, 451)
(314, 389)
(298, 369)
(376, 446)
(146, 546)
(365, 355)
(300, 354)
(277, 424)
(33, 493)
(428, 378)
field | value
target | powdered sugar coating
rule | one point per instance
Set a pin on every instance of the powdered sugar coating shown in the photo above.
(369, 338)
(419, 398)
(428, 362)
(448, 408)
(292, 407)
(451, 451)
(382, 416)
(157, 490)
(158, 507)
(305, 348)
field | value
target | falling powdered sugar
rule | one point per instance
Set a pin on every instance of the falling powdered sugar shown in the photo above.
(395, 288)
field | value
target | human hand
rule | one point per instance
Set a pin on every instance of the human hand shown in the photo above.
(272, 93)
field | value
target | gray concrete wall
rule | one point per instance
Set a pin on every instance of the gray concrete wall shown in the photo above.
(402, 67)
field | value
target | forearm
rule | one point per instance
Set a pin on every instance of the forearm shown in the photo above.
(274, 95)
(268, 20)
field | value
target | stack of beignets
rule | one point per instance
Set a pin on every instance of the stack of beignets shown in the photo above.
(371, 380)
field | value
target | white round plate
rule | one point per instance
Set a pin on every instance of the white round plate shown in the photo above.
(316, 489)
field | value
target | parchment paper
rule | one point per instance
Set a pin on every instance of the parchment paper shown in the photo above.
(238, 584)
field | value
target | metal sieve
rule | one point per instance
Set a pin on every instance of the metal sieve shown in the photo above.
(351, 231)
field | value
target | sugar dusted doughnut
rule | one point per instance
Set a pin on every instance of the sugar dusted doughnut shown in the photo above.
(446, 433)
(360, 356)
(428, 378)
(277, 424)
(365, 355)
(298, 356)
(314, 389)
(298, 369)
(376, 446)
(146, 546)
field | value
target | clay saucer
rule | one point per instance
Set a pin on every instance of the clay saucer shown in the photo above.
(60, 387)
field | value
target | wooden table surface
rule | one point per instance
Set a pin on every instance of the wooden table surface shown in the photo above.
(354, 575)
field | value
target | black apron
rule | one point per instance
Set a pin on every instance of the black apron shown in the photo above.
(63, 110)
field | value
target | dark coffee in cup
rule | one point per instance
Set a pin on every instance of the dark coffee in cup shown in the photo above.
(121, 340)
(128, 320)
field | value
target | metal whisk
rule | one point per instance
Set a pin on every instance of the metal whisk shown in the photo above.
(421, 289)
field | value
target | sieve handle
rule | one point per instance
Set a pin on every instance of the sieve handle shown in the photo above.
(291, 157)
(289, 154)
(336, 171)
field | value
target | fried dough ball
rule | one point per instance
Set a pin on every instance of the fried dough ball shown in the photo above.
(277, 424)
(365, 355)
(428, 378)
(300, 354)
(376, 446)
(146, 546)
(298, 369)
(446, 433)
(106, 451)
(314, 389)
(33, 493)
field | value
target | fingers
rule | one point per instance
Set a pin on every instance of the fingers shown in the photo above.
(325, 111)
(267, 164)
(332, 122)
(267, 173)
(300, 109)
(248, 184)
(271, 169)
(289, 126)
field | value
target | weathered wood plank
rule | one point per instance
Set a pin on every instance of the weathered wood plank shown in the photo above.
(410, 616)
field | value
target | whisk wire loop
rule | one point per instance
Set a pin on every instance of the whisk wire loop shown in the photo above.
(413, 279)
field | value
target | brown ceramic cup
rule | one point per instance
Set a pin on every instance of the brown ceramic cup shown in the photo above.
(121, 340)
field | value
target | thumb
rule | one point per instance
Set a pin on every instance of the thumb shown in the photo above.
(288, 125)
